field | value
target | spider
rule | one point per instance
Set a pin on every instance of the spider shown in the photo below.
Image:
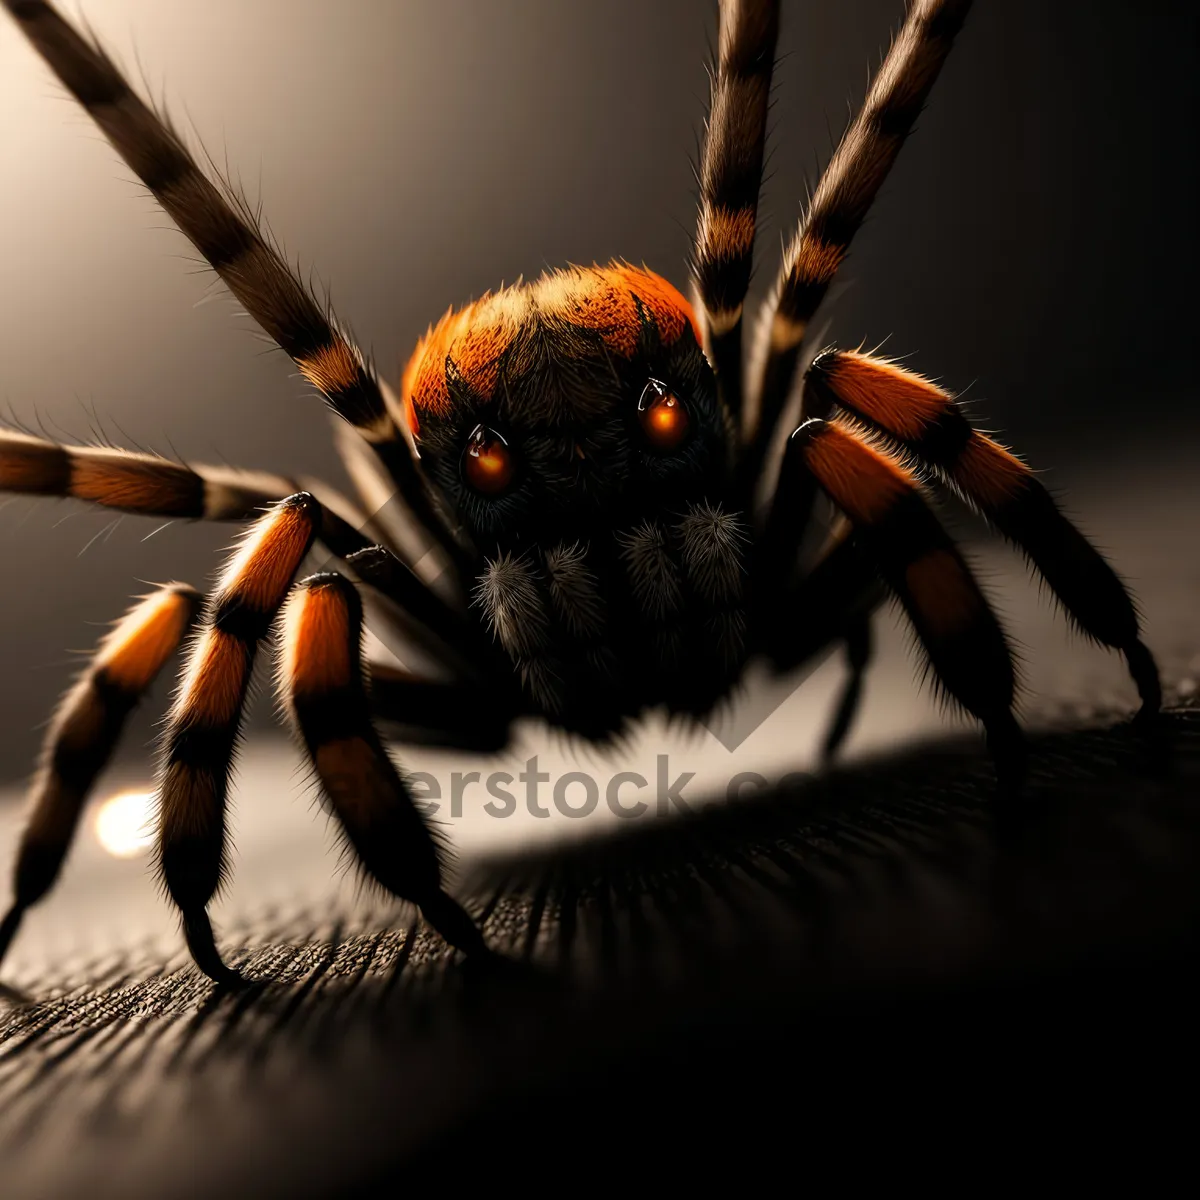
(597, 519)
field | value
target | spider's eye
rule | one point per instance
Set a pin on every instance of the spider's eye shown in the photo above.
(664, 418)
(488, 464)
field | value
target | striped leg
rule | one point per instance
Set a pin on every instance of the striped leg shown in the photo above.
(155, 486)
(926, 420)
(840, 203)
(731, 166)
(961, 637)
(321, 685)
(84, 734)
(202, 729)
(224, 230)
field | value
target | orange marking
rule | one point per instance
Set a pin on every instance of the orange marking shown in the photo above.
(814, 261)
(943, 594)
(133, 654)
(989, 474)
(475, 338)
(862, 481)
(726, 233)
(215, 683)
(262, 571)
(130, 481)
(332, 369)
(672, 312)
(359, 785)
(898, 400)
(319, 656)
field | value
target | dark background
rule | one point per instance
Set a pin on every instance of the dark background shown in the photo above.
(1036, 241)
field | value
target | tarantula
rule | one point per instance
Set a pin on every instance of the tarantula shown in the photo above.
(584, 466)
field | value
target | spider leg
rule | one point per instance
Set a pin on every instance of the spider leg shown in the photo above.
(204, 722)
(321, 686)
(413, 600)
(222, 227)
(731, 166)
(84, 733)
(840, 203)
(433, 712)
(858, 658)
(928, 422)
(155, 486)
(962, 639)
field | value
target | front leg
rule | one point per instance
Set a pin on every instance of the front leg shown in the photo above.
(203, 726)
(321, 686)
(917, 559)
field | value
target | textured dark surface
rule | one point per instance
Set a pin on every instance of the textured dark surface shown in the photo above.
(879, 911)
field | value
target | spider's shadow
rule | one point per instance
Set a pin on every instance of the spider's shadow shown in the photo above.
(876, 907)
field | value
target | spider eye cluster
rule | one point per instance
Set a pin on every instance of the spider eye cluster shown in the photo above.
(663, 416)
(488, 464)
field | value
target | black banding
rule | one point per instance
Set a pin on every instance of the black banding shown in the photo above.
(723, 280)
(233, 616)
(837, 224)
(799, 300)
(202, 747)
(894, 119)
(53, 463)
(734, 185)
(77, 766)
(943, 440)
(191, 865)
(361, 403)
(946, 22)
(87, 74)
(332, 715)
(161, 163)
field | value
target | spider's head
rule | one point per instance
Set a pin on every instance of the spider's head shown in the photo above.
(577, 403)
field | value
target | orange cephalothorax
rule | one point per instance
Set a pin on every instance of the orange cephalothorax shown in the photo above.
(470, 343)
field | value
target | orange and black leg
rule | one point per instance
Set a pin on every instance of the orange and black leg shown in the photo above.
(203, 726)
(926, 421)
(224, 229)
(153, 486)
(83, 735)
(730, 176)
(839, 205)
(321, 680)
(918, 561)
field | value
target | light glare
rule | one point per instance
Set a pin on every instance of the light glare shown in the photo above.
(123, 823)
